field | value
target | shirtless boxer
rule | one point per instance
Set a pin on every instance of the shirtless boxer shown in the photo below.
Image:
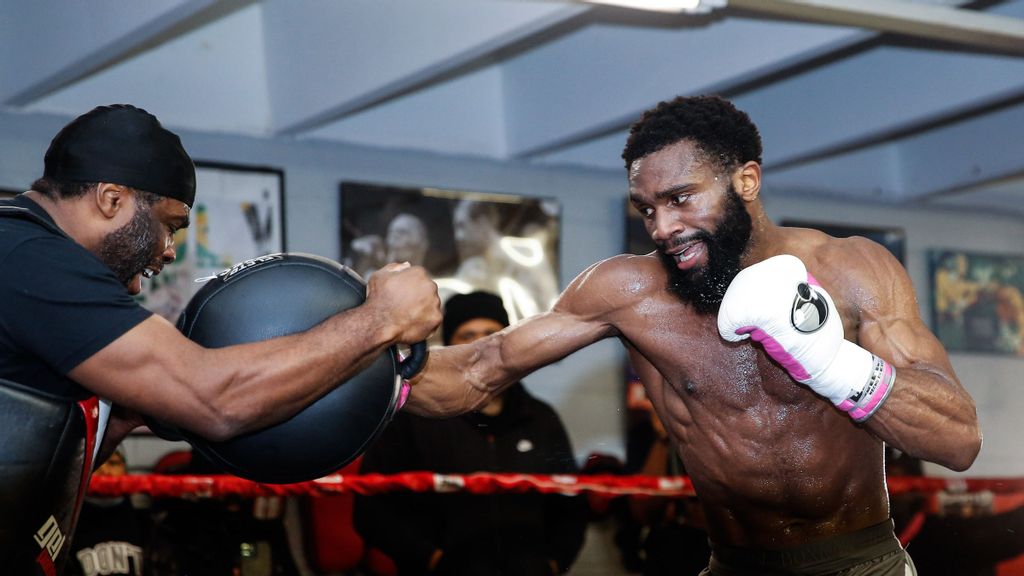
(782, 437)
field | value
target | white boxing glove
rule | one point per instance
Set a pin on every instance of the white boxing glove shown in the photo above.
(777, 303)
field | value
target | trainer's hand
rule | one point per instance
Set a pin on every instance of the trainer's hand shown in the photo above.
(777, 303)
(406, 299)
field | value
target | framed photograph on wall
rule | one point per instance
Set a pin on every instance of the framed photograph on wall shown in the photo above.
(505, 244)
(637, 239)
(893, 239)
(978, 301)
(238, 214)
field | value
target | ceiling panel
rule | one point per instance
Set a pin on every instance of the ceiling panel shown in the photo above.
(865, 107)
(210, 79)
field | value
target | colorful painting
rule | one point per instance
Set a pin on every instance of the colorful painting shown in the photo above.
(978, 301)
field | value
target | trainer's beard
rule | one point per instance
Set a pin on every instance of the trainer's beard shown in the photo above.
(129, 249)
(704, 287)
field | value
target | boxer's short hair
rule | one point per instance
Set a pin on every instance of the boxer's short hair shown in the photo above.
(725, 134)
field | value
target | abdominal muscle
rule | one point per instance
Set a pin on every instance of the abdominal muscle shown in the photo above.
(774, 465)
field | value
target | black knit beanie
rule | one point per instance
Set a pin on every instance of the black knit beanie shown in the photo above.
(462, 308)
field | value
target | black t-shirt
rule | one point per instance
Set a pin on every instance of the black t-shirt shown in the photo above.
(59, 304)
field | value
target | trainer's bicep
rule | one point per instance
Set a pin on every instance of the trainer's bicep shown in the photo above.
(143, 369)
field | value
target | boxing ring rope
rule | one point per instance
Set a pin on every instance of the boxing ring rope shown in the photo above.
(177, 486)
(158, 485)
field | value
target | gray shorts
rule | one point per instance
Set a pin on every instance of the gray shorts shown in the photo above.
(873, 551)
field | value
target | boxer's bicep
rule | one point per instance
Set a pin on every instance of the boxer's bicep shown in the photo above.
(581, 316)
(890, 323)
(545, 338)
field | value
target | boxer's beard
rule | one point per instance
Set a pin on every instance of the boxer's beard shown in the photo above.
(704, 287)
(129, 249)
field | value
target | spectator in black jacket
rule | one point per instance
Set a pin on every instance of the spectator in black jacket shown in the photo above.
(457, 534)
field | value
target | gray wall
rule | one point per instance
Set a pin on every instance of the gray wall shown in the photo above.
(586, 388)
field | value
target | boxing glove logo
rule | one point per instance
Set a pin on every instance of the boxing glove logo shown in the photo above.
(810, 310)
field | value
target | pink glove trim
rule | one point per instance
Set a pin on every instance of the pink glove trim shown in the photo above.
(812, 280)
(403, 394)
(777, 352)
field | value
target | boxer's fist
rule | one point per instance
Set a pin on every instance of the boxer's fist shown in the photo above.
(407, 299)
(778, 304)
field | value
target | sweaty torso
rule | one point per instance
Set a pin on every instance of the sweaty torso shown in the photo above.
(773, 463)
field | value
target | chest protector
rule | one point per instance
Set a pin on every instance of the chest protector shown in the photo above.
(45, 466)
(47, 444)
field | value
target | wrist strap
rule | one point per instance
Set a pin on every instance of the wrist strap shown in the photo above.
(862, 405)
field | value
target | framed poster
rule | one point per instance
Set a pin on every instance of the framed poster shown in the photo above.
(468, 241)
(978, 301)
(637, 239)
(238, 214)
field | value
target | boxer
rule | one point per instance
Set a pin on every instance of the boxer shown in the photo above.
(780, 359)
(116, 187)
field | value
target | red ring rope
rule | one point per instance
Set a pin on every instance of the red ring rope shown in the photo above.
(480, 483)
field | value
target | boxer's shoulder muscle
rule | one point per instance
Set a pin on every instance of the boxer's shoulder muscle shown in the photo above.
(613, 285)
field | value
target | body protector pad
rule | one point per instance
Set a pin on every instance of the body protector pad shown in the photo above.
(45, 465)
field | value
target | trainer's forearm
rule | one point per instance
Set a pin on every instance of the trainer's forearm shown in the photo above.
(251, 386)
(929, 416)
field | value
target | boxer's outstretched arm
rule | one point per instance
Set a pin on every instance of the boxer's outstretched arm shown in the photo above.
(929, 414)
(218, 393)
(458, 379)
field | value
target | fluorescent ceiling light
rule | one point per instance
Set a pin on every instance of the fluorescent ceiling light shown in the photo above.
(671, 6)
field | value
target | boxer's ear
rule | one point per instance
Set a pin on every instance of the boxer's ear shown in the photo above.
(746, 180)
